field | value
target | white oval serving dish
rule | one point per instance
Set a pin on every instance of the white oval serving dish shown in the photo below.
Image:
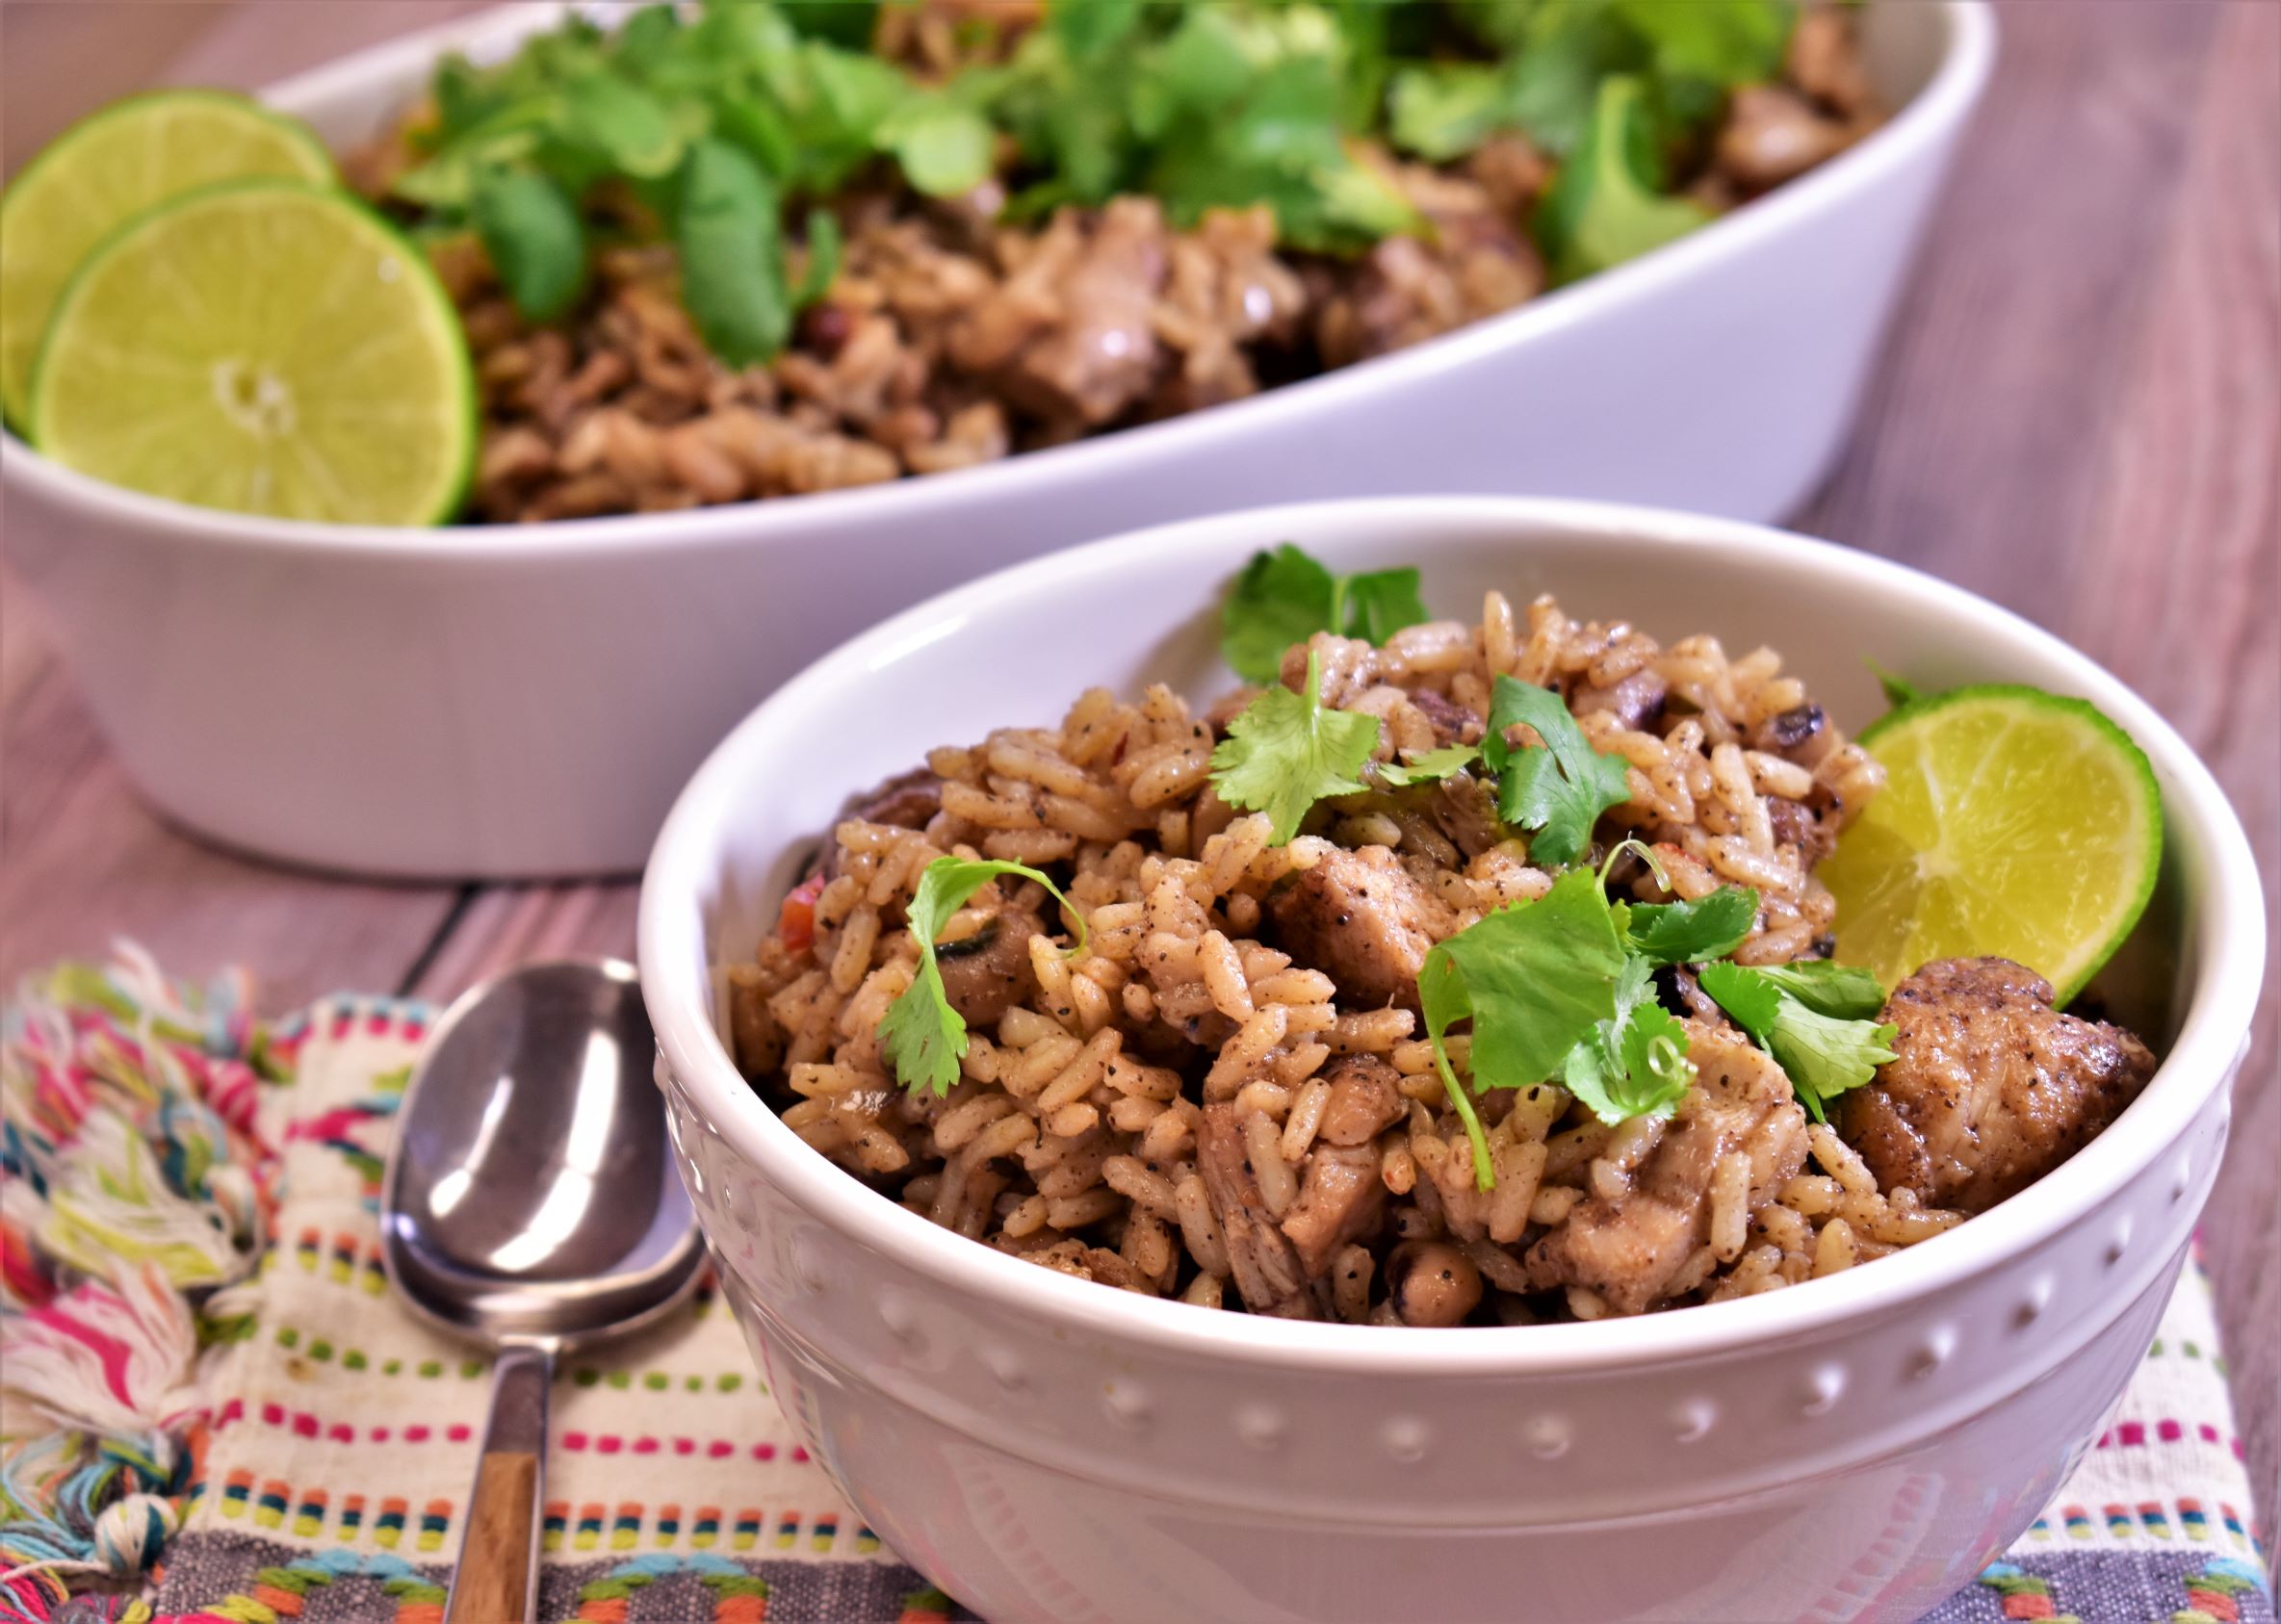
(516, 701)
(1042, 1447)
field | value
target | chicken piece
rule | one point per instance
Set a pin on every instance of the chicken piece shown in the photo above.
(1360, 917)
(1993, 1087)
(1772, 135)
(907, 801)
(1365, 1100)
(1464, 808)
(1452, 723)
(1340, 1199)
(1101, 355)
(1432, 1283)
(1268, 1274)
(1629, 1249)
(1635, 702)
(1797, 824)
(988, 973)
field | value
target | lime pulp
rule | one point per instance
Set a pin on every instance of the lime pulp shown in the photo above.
(265, 347)
(2014, 822)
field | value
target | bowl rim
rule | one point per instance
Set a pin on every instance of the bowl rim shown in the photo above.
(1929, 118)
(2227, 946)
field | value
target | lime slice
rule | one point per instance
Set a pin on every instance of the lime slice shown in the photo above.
(109, 168)
(265, 347)
(2013, 822)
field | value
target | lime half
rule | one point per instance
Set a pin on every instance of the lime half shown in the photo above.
(2013, 822)
(109, 168)
(265, 347)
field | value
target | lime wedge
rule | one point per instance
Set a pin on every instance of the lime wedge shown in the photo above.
(109, 168)
(265, 347)
(2013, 822)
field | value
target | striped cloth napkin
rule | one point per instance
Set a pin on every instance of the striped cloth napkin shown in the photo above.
(186, 1440)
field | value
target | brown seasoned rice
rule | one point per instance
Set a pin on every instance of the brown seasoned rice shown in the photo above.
(1075, 1135)
(951, 338)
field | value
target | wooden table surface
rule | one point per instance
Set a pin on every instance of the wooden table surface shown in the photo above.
(2079, 415)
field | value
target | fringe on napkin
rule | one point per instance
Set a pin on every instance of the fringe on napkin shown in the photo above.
(135, 1193)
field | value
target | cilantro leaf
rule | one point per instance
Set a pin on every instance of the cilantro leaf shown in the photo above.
(731, 259)
(1541, 975)
(1375, 605)
(1823, 1056)
(1536, 979)
(944, 147)
(1559, 789)
(1427, 767)
(1441, 111)
(1287, 751)
(1684, 933)
(534, 238)
(1790, 1011)
(1283, 597)
(621, 123)
(1845, 991)
(1608, 204)
(1634, 1064)
(923, 1036)
(1723, 43)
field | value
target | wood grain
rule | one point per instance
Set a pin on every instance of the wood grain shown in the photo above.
(2077, 415)
(491, 1585)
(2180, 554)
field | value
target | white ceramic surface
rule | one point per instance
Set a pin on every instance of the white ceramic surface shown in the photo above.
(1046, 1448)
(503, 702)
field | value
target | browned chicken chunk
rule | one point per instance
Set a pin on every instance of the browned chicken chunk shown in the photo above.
(1993, 1087)
(1628, 1249)
(1360, 917)
(1268, 1274)
(1341, 1198)
(989, 972)
(1365, 1100)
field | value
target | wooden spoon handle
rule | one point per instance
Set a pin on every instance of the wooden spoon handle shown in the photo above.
(497, 1579)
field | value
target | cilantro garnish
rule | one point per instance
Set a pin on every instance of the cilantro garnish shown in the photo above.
(1427, 767)
(923, 1036)
(1816, 1018)
(1557, 789)
(1688, 932)
(1198, 106)
(1536, 978)
(1634, 1064)
(1285, 597)
(1287, 751)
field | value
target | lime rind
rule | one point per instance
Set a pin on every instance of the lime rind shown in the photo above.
(295, 143)
(1877, 868)
(440, 315)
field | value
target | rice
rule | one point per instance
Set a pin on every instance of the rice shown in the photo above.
(1173, 1110)
(958, 331)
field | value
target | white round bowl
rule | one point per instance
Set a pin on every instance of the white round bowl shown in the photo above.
(1046, 1448)
(505, 701)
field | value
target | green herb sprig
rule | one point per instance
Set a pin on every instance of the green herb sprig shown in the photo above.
(1818, 1019)
(1559, 789)
(1560, 989)
(1283, 597)
(1201, 106)
(1287, 751)
(923, 1036)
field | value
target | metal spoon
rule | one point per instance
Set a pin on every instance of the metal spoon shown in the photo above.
(530, 1203)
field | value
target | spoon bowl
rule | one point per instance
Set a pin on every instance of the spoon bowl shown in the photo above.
(531, 1204)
